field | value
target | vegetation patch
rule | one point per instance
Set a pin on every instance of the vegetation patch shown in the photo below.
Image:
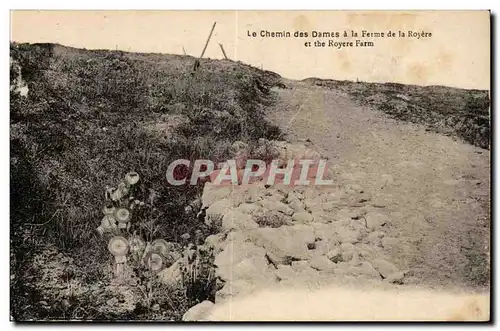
(460, 113)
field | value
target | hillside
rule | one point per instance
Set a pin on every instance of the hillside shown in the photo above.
(89, 118)
(411, 182)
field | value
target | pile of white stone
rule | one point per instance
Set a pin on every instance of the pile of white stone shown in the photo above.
(272, 235)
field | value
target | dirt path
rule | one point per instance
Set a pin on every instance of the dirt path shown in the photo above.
(435, 189)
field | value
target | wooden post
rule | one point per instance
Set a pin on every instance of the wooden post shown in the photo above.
(183, 50)
(208, 39)
(118, 246)
(119, 270)
(223, 52)
(197, 62)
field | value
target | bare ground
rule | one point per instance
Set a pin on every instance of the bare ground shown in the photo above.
(435, 188)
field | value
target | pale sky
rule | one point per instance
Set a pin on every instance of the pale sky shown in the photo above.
(457, 54)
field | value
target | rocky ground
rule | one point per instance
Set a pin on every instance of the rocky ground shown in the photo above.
(408, 207)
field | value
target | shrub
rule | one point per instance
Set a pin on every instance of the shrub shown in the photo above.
(85, 123)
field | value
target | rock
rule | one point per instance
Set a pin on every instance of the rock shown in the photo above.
(333, 197)
(299, 265)
(350, 256)
(302, 217)
(236, 220)
(283, 189)
(236, 251)
(284, 272)
(330, 206)
(343, 222)
(325, 232)
(365, 268)
(376, 220)
(384, 267)
(213, 193)
(237, 200)
(342, 268)
(324, 246)
(275, 197)
(216, 242)
(198, 312)
(326, 237)
(321, 263)
(347, 247)
(374, 238)
(389, 242)
(396, 278)
(270, 192)
(321, 217)
(278, 206)
(347, 234)
(271, 218)
(156, 307)
(172, 276)
(304, 270)
(294, 195)
(234, 288)
(254, 268)
(216, 211)
(285, 243)
(362, 269)
(248, 208)
(335, 255)
(353, 188)
(314, 204)
(254, 193)
(296, 205)
(359, 224)
(233, 254)
(299, 194)
(349, 252)
(365, 251)
(311, 193)
(236, 237)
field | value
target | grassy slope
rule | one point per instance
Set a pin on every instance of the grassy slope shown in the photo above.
(92, 116)
(451, 111)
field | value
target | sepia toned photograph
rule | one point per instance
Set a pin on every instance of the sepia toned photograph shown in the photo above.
(250, 166)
